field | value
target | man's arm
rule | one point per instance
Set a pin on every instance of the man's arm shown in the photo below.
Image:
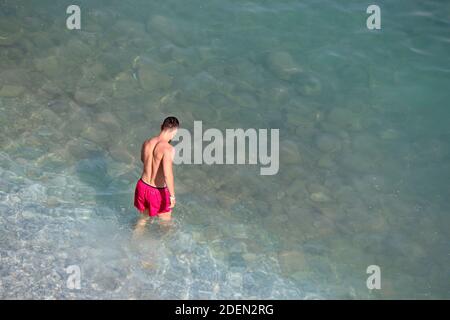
(142, 152)
(168, 156)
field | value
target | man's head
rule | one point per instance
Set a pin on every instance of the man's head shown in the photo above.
(170, 125)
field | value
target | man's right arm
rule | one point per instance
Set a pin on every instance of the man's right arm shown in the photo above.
(168, 156)
(142, 153)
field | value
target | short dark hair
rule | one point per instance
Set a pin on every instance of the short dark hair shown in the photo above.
(169, 123)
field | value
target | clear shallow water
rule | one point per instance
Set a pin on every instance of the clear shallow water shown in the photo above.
(364, 144)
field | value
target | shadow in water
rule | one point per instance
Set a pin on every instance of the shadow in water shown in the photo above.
(117, 195)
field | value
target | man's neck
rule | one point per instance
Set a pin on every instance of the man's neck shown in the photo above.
(164, 136)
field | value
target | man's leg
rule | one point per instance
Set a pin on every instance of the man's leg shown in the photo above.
(166, 216)
(141, 223)
(165, 220)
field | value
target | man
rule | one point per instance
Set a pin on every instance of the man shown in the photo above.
(155, 194)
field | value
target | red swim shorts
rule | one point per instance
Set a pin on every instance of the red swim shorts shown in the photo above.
(155, 199)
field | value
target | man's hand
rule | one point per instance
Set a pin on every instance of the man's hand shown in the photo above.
(172, 202)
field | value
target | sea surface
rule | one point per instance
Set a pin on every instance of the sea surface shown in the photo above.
(364, 176)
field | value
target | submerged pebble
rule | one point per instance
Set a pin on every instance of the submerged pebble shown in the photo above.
(289, 152)
(283, 65)
(167, 28)
(152, 79)
(291, 261)
(9, 91)
(319, 197)
(328, 143)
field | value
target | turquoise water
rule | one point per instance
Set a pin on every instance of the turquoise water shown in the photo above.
(364, 149)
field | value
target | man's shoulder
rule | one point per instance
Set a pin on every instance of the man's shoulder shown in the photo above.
(150, 141)
(162, 147)
(166, 146)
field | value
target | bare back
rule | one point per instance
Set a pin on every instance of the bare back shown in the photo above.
(152, 155)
